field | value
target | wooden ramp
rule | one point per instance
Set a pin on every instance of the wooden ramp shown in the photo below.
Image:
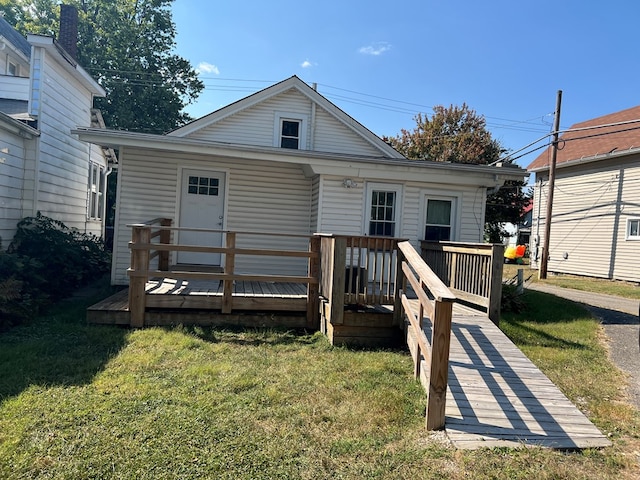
(498, 398)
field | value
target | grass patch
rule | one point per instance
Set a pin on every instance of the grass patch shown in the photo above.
(80, 401)
(587, 284)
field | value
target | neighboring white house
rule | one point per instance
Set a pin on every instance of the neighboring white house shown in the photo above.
(595, 226)
(44, 94)
(288, 160)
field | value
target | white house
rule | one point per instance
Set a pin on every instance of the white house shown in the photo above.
(44, 94)
(286, 159)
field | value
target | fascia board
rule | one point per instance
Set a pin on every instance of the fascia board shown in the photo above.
(49, 45)
(587, 160)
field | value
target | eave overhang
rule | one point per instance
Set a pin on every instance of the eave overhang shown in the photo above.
(314, 162)
(590, 159)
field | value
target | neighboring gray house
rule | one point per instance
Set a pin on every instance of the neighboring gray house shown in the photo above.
(595, 226)
(286, 159)
(44, 94)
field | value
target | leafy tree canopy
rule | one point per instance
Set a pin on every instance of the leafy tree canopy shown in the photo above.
(127, 46)
(458, 134)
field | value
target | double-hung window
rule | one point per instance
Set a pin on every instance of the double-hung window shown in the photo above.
(439, 217)
(97, 181)
(290, 131)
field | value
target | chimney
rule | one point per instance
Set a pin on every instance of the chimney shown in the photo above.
(68, 37)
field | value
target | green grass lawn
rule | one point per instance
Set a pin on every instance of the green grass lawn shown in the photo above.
(79, 401)
(588, 284)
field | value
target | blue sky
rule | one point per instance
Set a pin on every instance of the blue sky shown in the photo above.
(383, 62)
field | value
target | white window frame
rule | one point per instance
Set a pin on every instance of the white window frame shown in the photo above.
(456, 201)
(384, 187)
(97, 192)
(292, 117)
(16, 68)
(629, 222)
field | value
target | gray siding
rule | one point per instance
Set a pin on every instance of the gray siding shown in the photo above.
(590, 210)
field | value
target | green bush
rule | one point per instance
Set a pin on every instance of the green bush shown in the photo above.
(45, 262)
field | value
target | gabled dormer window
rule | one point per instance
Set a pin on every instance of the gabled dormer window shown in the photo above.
(289, 131)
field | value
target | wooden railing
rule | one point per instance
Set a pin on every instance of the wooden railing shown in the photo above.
(473, 272)
(434, 301)
(152, 240)
(356, 270)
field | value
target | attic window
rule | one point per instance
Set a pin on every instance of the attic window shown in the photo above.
(289, 131)
(290, 137)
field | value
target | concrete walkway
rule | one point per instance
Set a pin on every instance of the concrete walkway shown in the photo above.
(620, 318)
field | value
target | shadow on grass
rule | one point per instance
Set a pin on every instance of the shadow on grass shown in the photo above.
(251, 336)
(58, 348)
(543, 309)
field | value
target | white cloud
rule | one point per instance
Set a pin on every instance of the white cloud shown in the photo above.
(204, 67)
(377, 48)
(307, 64)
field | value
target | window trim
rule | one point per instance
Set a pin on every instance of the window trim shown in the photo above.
(292, 117)
(456, 201)
(96, 191)
(16, 67)
(386, 187)
(628, 236)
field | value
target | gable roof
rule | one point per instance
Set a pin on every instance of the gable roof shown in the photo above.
(293, 82)
(13, 36)
(591, 143)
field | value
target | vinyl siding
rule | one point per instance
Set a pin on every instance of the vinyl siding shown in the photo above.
(261, 197)
(590, 210)
(12, 154)
(344, 210)
(256, 126)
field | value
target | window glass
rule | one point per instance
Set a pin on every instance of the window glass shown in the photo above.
(382, 221)
(97, 183)
(203, 185)
(634, 229)
(290, 137)
(438, 221)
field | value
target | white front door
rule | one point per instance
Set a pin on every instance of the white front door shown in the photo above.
(201, 206)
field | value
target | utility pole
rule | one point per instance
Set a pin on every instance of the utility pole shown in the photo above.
(544, 261)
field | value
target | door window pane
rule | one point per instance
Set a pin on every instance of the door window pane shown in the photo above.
(383, 220)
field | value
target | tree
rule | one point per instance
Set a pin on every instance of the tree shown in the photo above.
(127, 46)
(457, 134)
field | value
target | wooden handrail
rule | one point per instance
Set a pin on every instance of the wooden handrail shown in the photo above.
(434, 303)
(472, 271)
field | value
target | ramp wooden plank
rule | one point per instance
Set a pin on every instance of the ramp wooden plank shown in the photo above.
(497, 397)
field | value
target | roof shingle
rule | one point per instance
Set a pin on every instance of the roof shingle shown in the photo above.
(595, 141)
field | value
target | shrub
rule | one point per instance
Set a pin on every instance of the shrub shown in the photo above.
(45, 262)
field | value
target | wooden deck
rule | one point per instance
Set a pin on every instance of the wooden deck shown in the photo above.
(496, 397)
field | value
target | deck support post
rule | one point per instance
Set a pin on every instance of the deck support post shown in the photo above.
(165, 237)
(338, 284)
(495, 292)
(313, 293)
(401, 286)
(439, 370)
(229, 267)
(138, 274)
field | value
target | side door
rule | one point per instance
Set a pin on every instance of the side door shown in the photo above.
(202, 201)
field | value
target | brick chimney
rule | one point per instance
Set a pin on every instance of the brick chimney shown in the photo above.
(68, 37)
